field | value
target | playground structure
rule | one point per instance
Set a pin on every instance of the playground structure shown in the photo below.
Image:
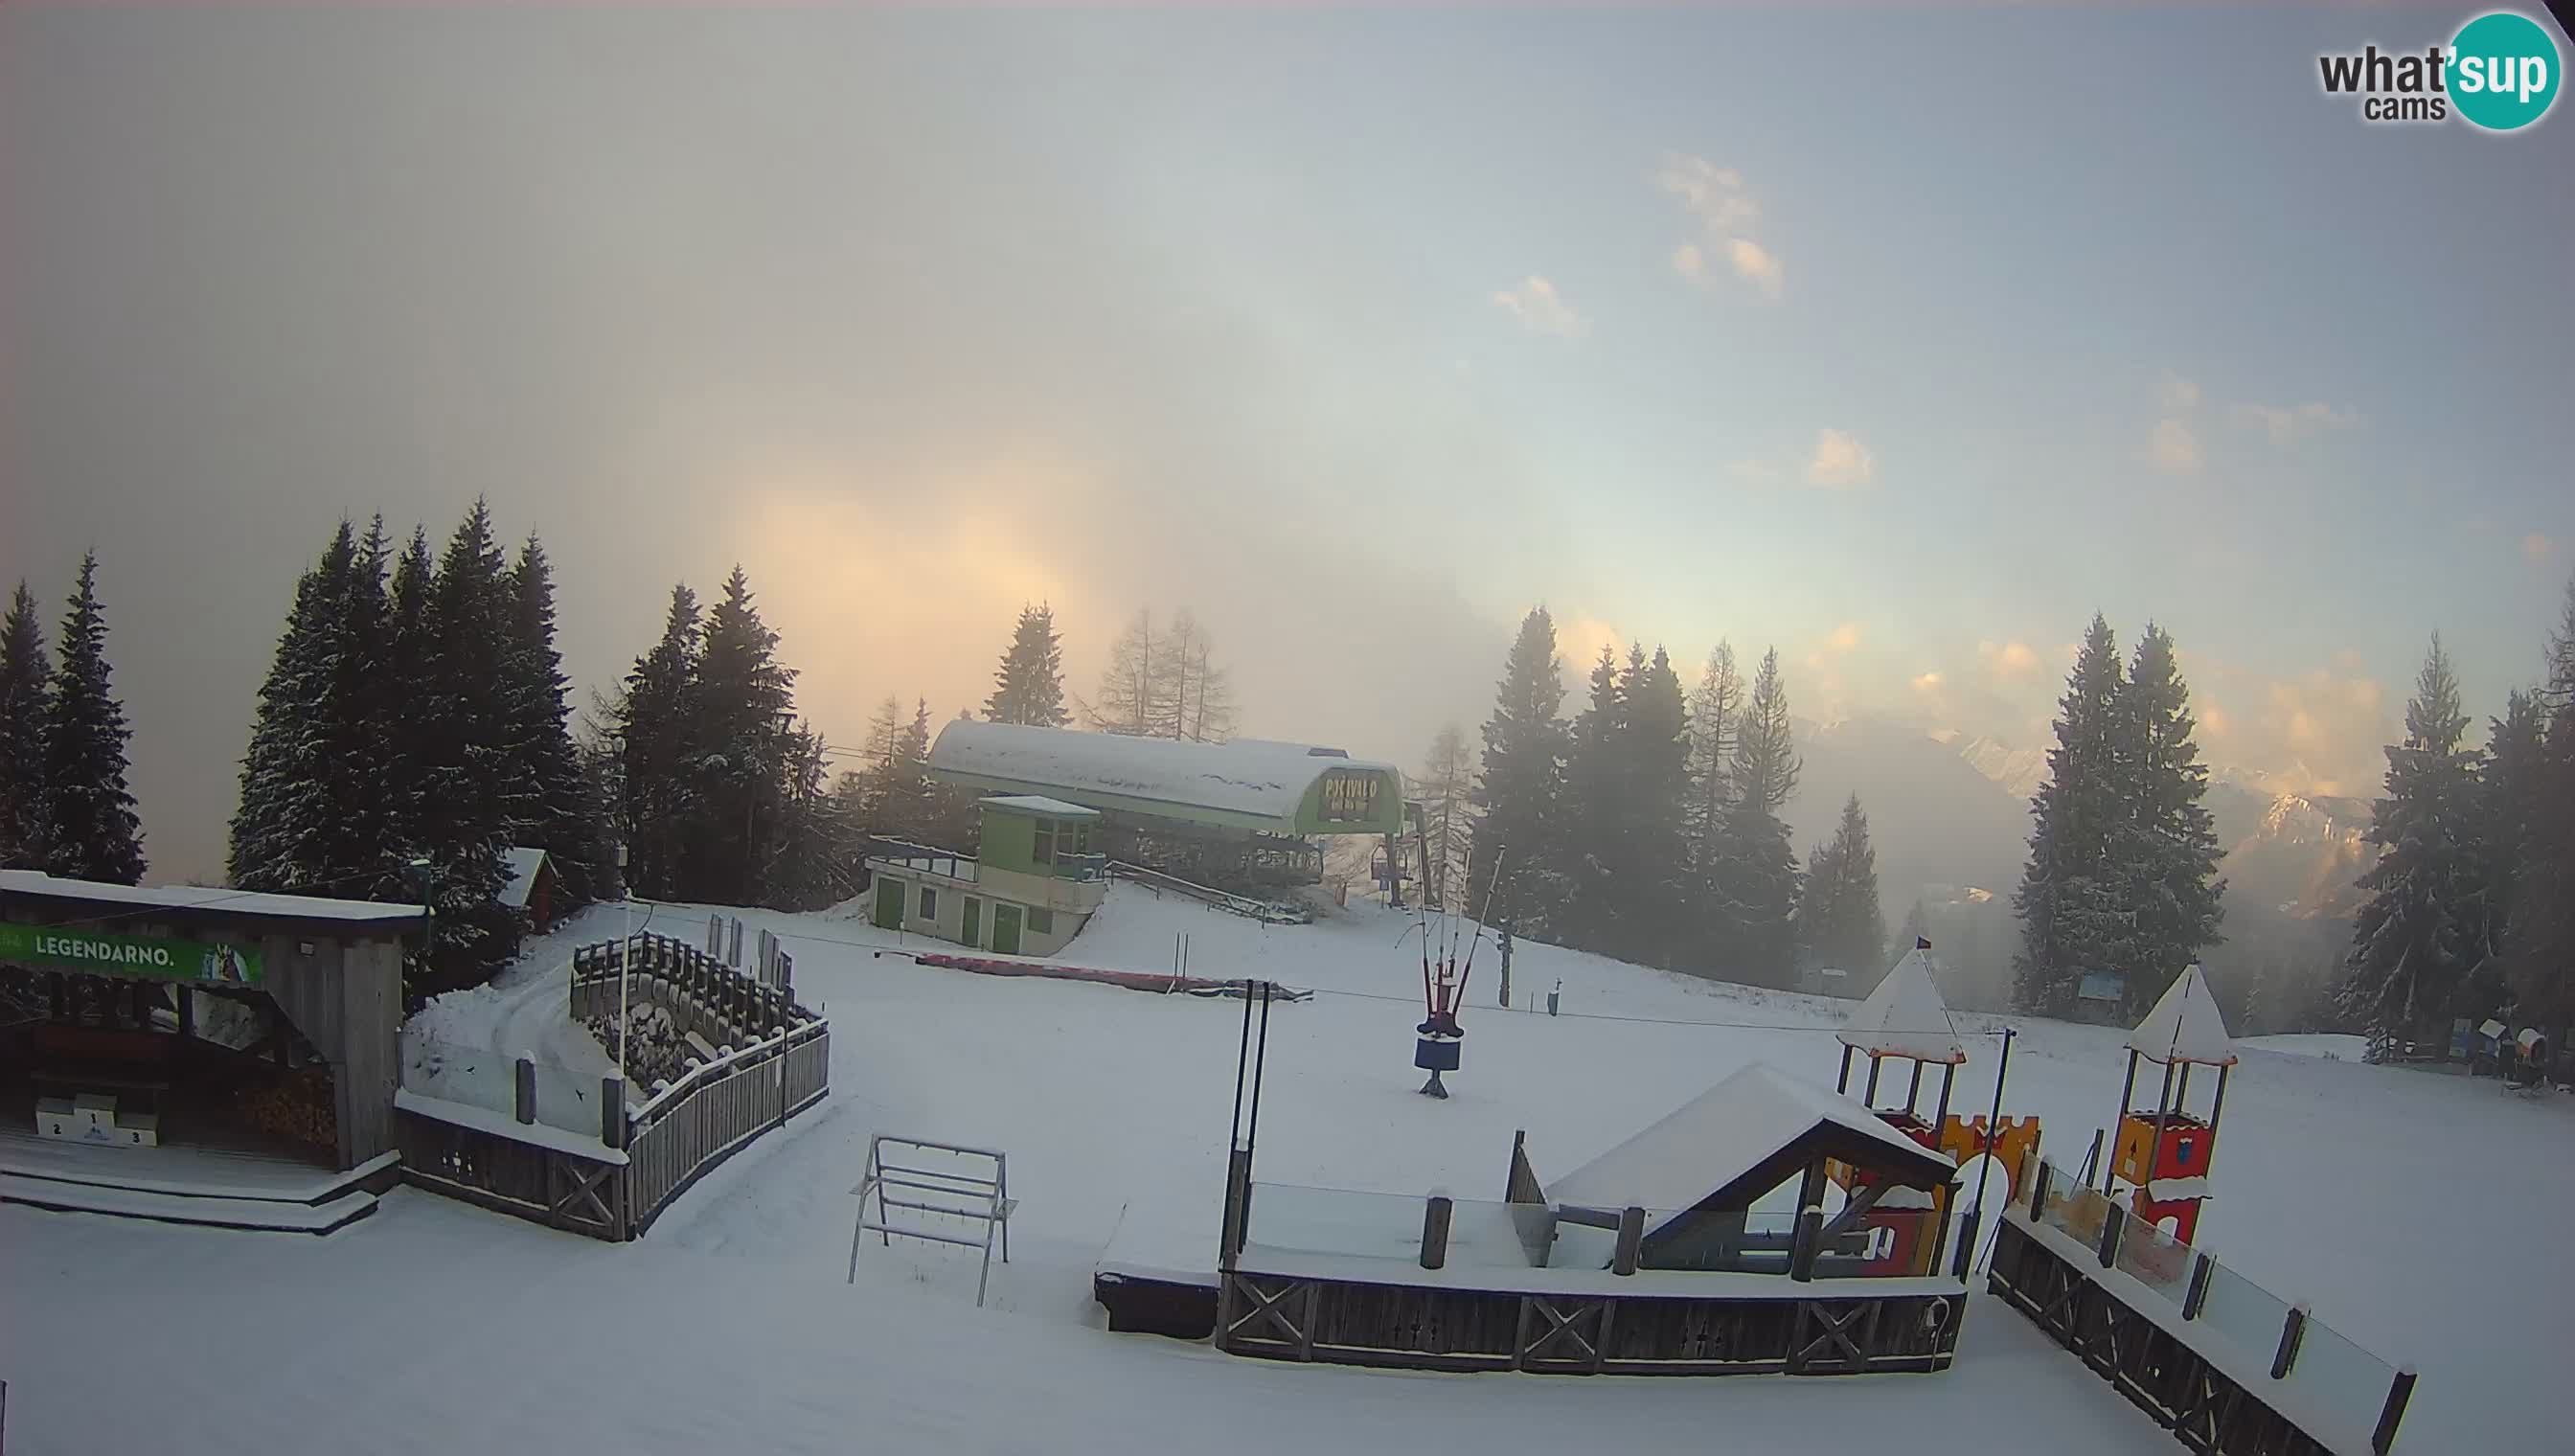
(1905, 1020)
(2163, 1153)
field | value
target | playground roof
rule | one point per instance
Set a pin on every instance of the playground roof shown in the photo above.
(1244, 784)
(2185, 1025)
(1739, 1140)
(84, 899)
(1905, 1016)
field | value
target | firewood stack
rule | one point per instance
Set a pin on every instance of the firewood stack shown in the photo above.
(297, 1106)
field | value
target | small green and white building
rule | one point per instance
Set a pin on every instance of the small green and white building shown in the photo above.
(1039, 876)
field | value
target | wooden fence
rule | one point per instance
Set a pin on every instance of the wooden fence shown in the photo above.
(774, 1060)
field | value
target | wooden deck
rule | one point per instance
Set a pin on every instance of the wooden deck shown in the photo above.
(217, 1187)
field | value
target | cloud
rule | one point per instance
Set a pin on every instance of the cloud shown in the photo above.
(1845, 637)
(1580, 642)
(1840, 459)
(2008, 659)
(2176, 446)
(1542, 310)
(2535, 547)
(1726, 215)
(1754, 262)
(2178, 394)
(2289, 424)
(1928, 682)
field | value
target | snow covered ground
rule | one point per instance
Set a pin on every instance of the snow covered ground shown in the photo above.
(2404, 1208)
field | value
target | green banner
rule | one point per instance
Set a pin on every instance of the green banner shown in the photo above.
(198, 961)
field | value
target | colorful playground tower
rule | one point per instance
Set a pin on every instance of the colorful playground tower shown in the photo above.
(1903, 1020)
(2163, 1153)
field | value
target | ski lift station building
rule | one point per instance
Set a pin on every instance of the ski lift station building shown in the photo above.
(1245, 810)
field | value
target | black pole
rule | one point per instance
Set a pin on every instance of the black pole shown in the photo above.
(2155, 1151)
(2217, 1108)
(1242, 1064)
(1260, 1071)
(2127, 1087)
(1913, 1088)
(1841, 1081)
(1869, 1098)
(1993, 1145)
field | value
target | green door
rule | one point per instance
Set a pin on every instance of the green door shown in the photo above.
(1006, 928)
(974, 918)
(889, 903)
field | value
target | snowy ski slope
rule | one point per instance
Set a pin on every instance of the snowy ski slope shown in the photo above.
(2409, 1208)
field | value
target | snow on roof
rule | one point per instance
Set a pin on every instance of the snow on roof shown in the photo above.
(1715, 1138)
(1251, 778)
(1905, 1016)
(2185, 1025)
(518, 874)
(214, 899)
(1038, 804)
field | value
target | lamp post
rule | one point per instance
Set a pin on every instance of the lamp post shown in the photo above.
(625, 955)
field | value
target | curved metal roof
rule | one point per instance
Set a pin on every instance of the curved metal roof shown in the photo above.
(1247, 784)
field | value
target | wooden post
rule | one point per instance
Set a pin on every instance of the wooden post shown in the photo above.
(2293, 1332)
(1435, 1230)
(612, 1111)
(527, 1091)
(2392, 1414)
(2127, 1086)
(2114, 1223)
(1869, 1096)
(2038, 1189)
(1804, 1247)
(187, 1009)
(1967, 1243)
(2202, 1269)
(1631, 1237)
(1841, 1079)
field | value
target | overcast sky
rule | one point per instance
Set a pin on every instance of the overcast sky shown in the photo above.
(1902, 342)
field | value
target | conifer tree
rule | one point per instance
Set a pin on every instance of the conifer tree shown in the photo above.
(407, 657)
(556, 810)
(2540, 939)
(743, 719)
(649, 731)
(2414, 940)
(24, 692)
(1446, 785)
(2509, 797)
(2070, 896)
(1756, 877)
(1916, 929)
(1596, 808)
(2168, 853)
(1653, 852)
(469, 798)
(1714, 706)
(90, 828)
(1029, 686)
(1843, 924)
(1516, 876)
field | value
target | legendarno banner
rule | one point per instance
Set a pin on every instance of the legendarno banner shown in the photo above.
(198, 961)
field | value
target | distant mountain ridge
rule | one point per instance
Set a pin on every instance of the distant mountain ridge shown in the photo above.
(1949, 811)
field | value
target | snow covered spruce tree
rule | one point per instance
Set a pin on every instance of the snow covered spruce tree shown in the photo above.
(648, 727)
(1029, 686)
(24, 692)
(1916, 929)
(1520, 792)
(317, 814)
(2415, 938)
(1840, 919)
(1445, 786)
(1714, 706)
(2510, 795)
(90, 828)
(2169, 851)
(744, 727)
(2068, 902)
(556, 810)
(472, 799)
(1757, 878)
(2540, 942)
(1651, 853)
(1594, 807)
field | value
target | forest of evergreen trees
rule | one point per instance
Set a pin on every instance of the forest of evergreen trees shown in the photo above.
(1648, 825)
(2471, 904)
(64, 806)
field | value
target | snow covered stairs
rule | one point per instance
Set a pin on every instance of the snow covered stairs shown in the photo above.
(204, 1187)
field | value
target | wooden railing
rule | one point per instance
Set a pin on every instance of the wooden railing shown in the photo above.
(773, 1060)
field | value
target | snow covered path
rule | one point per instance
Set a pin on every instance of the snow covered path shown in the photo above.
(2397, 1202)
